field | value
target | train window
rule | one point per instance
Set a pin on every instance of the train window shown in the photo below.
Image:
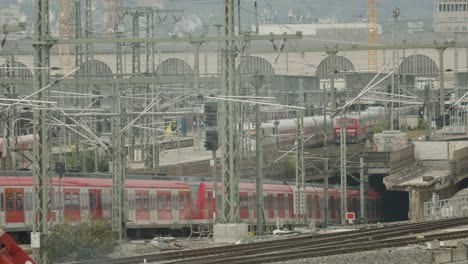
(57, 198)
(19, 201)
(1, 202)
(10, 202)
(160, 202)
(76, 201)
(138, 201)
(92, 201)
(181, 201)
(265, 202)
(67, 201)
(168, 202)
(99, 206)
(145, 201)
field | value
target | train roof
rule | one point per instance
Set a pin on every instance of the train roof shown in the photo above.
(7, 181)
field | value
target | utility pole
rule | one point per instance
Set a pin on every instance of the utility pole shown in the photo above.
(259, 157)
(395, 62)
(41, 170)
(325, 211)
(343, 165)
(362, 181)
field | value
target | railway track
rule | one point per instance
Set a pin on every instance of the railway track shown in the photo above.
(305, 246)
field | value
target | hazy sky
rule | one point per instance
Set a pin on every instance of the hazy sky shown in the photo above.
(341, 9)
(210, 11)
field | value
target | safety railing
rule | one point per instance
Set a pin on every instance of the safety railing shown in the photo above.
(449, 208)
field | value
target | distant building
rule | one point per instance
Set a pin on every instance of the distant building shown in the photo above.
(151, 3)
(317, 29)
(451, 16)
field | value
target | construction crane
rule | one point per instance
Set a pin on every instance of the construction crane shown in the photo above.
(64, 32)
(372, 33)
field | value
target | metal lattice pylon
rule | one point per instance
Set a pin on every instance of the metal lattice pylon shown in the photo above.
(41, 170)
(229, 158)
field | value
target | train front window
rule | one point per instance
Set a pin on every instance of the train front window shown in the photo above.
(349, 122)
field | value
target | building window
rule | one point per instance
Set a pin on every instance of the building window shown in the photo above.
(449, 29)
(464, 28)
(456, 7)
(444, 8)
(464, 7)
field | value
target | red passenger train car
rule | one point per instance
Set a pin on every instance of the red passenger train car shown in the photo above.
(152, 204)
(157, 206)
(279, 204)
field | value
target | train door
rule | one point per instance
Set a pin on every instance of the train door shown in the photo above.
(244, 206)
(106, 203)
(291, 205)
(254, 205)
(95, 203)
(318, 212)
(309, 206)
(153, 206)
(280, 198)
(271, 212)
(131, 206)
(142, 213)
(84, 204)
(251, 207)
(286, 207)
(175, 203)
(164, 205)
(332, 208)
(71, 204)
(14, 205)
(184, 206)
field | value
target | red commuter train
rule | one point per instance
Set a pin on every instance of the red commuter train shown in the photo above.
(157, 206)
